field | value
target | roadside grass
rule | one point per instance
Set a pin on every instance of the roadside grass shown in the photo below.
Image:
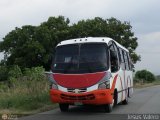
(142, 85)
(28, 94)
(26, 100)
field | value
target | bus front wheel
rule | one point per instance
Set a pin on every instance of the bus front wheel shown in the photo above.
(63, 107)
(108, 108)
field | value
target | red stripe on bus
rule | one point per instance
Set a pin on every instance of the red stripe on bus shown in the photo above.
(78, 80)
(114, 84)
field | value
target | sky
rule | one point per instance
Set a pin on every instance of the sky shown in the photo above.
(143, 15)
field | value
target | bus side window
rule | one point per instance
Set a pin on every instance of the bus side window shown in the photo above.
(113, 58)
(122, 59)
(119, 56)
(126, 60)
(129, 61)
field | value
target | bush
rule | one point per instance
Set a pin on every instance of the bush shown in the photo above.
(3, 73)
(35, 73)
(28, 91)
(145, 76)
(3, 86)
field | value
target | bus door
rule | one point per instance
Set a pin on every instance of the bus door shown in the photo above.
(115, 70)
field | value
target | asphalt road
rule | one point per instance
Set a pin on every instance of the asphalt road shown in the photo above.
(144, 101)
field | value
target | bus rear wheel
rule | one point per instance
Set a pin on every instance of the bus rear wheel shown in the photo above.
(125, 102)
(63, 107)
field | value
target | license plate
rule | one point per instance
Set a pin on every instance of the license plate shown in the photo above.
(78, 103)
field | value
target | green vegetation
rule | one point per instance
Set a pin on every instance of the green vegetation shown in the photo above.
(142, 85)
(25, 91)
(144, 78)
(23, 86)
(32, 46)
(3, 73)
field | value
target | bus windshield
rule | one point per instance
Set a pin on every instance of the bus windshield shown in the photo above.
(80, 58)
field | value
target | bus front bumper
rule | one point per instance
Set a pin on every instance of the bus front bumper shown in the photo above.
(96, 97)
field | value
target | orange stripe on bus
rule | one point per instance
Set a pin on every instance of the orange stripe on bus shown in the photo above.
(114, 83)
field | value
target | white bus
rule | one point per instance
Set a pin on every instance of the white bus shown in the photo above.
(93, 70)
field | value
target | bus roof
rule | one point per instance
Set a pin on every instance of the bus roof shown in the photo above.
(90, 40)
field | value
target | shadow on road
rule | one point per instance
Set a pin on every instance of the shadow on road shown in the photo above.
(89, 109)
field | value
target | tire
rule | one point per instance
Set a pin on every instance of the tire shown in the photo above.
(108, 108)
(128, 93)
(125, 102)
(64, 107)
(115, 97)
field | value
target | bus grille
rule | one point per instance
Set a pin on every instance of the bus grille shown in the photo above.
(81, 90)
(84, 97)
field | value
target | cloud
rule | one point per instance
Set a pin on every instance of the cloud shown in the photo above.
(150, 52)
(142, 14)
(15, 13)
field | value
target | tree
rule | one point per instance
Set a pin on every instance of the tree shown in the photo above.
(32, 46)
(113, 28)
(145, 75)
(3, 73)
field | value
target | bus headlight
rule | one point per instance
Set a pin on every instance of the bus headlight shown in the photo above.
(104, 85)
(54, 86)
